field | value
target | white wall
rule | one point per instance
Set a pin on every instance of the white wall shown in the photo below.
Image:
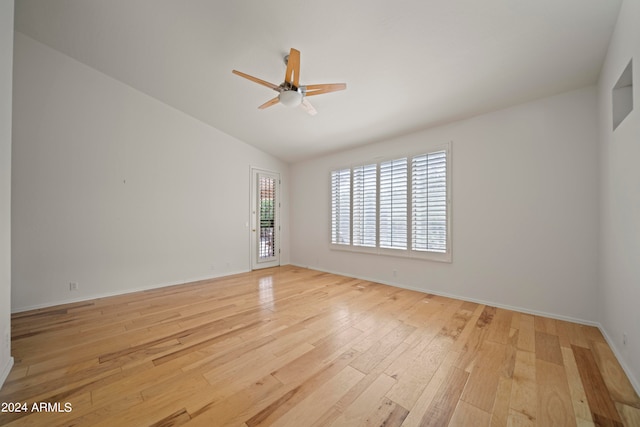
(619, 290)
(6, 68)
(117, 191)
(524, 209)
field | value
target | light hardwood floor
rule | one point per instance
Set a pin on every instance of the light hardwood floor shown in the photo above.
(295, 347)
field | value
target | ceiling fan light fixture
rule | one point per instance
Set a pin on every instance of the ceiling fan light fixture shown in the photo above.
(290, 98)
(290, 92)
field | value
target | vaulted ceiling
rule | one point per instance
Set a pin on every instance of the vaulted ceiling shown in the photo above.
(408, 64)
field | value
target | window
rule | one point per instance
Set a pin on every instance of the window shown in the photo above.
(429, 202)
(398, 207)
(341, 207)
(393, 204)
(364, 205)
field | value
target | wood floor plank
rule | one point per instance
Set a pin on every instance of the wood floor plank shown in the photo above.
(519, 419)
(314, 360)
(548, 348)
(422, 313)
(546, 325)
(466, 415)
(523, 405)
(554, 398)
(418, 343)
(592, 333)
(321, 400)
(603, 409)
(412, 381)
(578, 396)
(293, 346)
(614, 377)
(456, 324)
(178, 418)
(379, 328)
(233, 409)
(366, 403)
(298, 392)
(630, 415)
(444, 404)
(526, 333)
(382, 348)
(428, 395)
(93, 415)
(354, 393)
(238, 377)
(500, 413)
(483, 381)
(463, 338)
(576, 334)
(471, 349)
(387, 414)
(500, 326)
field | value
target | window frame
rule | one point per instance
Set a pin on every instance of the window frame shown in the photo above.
(408, 252)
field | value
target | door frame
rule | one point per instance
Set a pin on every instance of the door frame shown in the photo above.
(255, 219)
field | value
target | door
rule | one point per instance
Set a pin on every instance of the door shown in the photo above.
(265, 212)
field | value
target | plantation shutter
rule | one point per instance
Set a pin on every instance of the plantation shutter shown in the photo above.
(429, 202)
(393, 204)
(364, 205)
(341, 207)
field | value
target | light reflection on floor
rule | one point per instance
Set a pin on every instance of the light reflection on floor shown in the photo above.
(265, 292)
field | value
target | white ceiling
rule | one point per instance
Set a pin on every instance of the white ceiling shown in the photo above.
(408, 64)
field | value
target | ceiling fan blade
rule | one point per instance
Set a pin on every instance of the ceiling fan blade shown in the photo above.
(269, 103)
(306, 106)
(324, 88)
(257, 80)
(292, 74)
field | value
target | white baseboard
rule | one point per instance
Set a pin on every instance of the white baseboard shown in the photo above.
(124, 292)
(635, 383)
(5, 371)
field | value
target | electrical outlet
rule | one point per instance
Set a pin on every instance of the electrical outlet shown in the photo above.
(73, 286)
(624, 338)
(395, 273)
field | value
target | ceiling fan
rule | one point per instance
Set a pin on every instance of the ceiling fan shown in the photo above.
(291, 93)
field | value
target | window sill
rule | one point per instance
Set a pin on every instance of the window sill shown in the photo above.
(401, 253)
